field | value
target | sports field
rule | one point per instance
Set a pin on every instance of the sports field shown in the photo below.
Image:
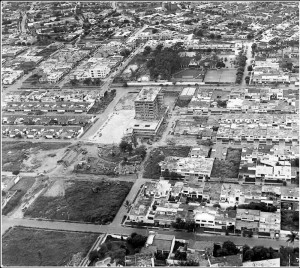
(220, 76)
(189, 73)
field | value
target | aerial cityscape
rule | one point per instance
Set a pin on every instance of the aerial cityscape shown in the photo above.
(147, 134)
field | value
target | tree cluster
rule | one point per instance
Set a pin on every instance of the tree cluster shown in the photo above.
(228, 248)
(259, 253)
(241, 61)
(171, 175)
(181, 224)
(164, 62)
(137, 240)
(125, 146)
(259, 206)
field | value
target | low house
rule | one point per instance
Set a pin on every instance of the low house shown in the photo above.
(160, 242)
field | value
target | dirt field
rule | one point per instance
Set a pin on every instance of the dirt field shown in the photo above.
(36, 247)
(28, 156)
(127, 102)
(80, 203)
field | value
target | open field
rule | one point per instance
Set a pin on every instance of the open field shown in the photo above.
(228, 168)
(189, 73)
(80, 203)
(220, 76)
(113, 130)
(152, 169)
(36, 247)
(14, 153)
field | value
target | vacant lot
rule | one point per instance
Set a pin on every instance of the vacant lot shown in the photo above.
(220, 76)
(34, 247)
(152, 169)
(228, 168)
(14, 153)
(81, 204)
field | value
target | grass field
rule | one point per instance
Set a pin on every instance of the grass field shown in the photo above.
(191, 73)
(34, 247)
(220, 76)
(81, 204)
(152, 169)
(228, 168)
(13, 153)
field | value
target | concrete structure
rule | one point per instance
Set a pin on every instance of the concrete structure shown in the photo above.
(200, 167)
(99, 71)
(148, 103)
(187, 93)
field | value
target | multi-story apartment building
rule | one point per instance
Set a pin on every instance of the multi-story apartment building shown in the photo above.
(148, 103)
(99, 71)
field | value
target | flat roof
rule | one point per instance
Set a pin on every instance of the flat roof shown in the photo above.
(148, 94)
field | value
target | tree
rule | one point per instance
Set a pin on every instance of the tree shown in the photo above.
(93, 255)
(212, 36)
(230, 247)
(16, 172)
(137, 240)
(154, 31)
(141, 151)
(254, 46)
(180, 255)
(248, 255)
(292, 237)
(125, 52)
(147, 50)
(123, 145)
(250, 68)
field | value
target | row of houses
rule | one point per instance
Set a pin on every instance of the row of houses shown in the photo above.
(59, 107)
(162, 203)
(38, 132)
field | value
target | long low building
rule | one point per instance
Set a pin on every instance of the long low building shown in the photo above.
(186, 166)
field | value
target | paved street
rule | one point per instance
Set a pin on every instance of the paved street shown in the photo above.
(9, 222)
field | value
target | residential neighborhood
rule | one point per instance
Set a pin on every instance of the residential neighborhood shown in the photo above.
(145, 134)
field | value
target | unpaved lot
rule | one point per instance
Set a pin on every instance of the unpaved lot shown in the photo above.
(114, 128)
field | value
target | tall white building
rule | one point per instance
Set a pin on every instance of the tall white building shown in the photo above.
(99, 71)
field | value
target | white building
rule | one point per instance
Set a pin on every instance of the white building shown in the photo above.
(99, 71)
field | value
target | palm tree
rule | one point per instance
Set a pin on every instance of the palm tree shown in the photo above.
(292, 237)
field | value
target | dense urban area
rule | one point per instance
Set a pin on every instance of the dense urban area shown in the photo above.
(150, 134)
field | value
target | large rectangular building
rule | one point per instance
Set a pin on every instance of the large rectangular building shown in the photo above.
(148, 104)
